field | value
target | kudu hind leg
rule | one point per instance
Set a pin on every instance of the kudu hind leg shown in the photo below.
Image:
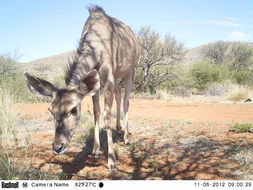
(129, 82)
(118, 102)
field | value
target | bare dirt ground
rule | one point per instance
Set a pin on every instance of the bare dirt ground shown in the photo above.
(170, 140)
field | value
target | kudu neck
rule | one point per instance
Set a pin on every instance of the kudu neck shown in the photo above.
(79, 71)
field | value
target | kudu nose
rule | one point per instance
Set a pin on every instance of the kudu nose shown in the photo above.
(58, 147)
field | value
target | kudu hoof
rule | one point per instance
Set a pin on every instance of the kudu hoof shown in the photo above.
(96, 154)
(127, 138)
(112, 170)
(95, 157)
(127, 141)
(118, 128)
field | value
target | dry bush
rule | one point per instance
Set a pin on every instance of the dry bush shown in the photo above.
(216, 90)
(238, 93)
(156, 58)
(238, 54)
(164, 95)
(181, 91)
(144, 95)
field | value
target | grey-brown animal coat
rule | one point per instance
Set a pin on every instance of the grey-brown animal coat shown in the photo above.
(108, 51)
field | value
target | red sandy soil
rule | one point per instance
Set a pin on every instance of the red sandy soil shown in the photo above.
(170, 141)
(218, 112)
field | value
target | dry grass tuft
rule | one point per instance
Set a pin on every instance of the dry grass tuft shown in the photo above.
(16, 148)
(164, 95)
(11, 166)
(8, 116)
(238, 93)
(85, 127)
(217, 90)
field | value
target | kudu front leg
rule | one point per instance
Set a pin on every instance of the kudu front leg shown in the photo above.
(96, 111)
(108, 127)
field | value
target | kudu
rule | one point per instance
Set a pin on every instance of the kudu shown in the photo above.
(108, 51)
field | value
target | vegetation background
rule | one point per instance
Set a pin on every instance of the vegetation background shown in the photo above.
(166, 69)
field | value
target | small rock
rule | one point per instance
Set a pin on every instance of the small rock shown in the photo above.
(248, 100)
(251, 130)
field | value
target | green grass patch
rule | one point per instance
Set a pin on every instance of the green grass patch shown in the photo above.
(242, 128)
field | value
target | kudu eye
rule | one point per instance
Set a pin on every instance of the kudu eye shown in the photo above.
(73, 111)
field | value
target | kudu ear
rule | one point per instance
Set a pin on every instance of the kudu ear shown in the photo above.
(42, 86)
(90, 83)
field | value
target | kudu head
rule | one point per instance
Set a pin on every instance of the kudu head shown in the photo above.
(66, 105)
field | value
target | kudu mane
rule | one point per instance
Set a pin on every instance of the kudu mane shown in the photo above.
(81, 50)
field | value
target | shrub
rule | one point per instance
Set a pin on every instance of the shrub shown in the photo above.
(7, 66)
(12, 78)
(216, 51)
(235, 57)
(202, 74)
(243, 77)
(242, 128)
(59, 81)
(237, 54)
(157, 56)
